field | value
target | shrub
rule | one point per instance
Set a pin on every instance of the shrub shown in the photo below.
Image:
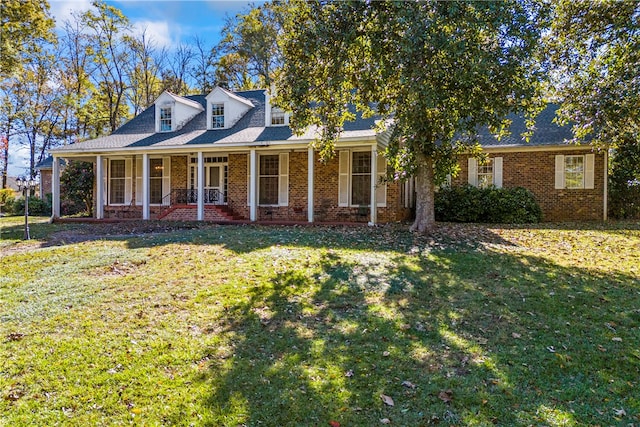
(624, 182)
(6, 200)
(495, 205)
(37, 206)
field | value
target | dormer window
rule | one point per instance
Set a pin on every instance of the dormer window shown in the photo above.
(165, 119)
(217, 116)
(278, 116)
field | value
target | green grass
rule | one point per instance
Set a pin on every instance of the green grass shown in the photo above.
(192, 324)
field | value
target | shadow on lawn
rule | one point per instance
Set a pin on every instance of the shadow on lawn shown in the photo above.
(481, 337)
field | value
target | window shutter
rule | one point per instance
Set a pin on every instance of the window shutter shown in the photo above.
(283, 182)
(105, 173)
(497, 172)
(343, 178)
(166, 180)
(381, 186)
(248, 179)
(589, 161)
(473, 171)
(559, 172)
(128, 164)
(138, 180)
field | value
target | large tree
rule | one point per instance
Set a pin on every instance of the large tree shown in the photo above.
(24, 26)
(435, 70)
(595, 57)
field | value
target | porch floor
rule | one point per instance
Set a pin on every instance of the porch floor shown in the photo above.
(221, 222)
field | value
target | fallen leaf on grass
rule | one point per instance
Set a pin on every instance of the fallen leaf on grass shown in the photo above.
(386, 354)
(334, 424)
(446, 396)
(516, 335)
(387, 400)
(15, 336)
(349, 373)
(617, 339)
(620, 412)
(408, 384)
(385, 421)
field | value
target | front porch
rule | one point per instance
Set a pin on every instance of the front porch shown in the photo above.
(289, 186)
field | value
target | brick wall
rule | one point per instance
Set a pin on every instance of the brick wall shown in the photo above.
(237, 184)
(45, 182)
(179, 172)
(535, 170)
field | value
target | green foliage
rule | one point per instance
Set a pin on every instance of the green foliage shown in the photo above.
(624, 182)
(594, 49)
(487, 205)
(7, 199)
(249, 47)
(76, 188)
(25, 25)
(436, 70)
(37, 206)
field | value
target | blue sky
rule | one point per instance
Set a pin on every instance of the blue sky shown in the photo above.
(169, 23)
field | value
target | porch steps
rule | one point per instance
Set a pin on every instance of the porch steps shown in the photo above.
(190, 213)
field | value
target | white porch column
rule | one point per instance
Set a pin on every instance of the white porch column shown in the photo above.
(253, 185)
(145, 186)
(310, 195)
(374, 178)
(200, 186)
(55, 188)
(99, 188)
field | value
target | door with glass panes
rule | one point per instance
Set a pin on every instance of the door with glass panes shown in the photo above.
(215, 185)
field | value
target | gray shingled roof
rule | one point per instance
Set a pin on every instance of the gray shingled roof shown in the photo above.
(139, 132)
(546, 132)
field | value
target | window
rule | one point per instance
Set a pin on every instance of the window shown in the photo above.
(574, 171)
(155, 181)
(485, 174)
(361, 178)
(269, 176)
(217, 116)
(354, 179)
(165, 119)
(117, 179)
(277, 116)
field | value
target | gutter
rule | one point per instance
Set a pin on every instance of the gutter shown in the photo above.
(606, 186)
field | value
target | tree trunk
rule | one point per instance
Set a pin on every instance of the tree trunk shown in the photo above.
(425, 195)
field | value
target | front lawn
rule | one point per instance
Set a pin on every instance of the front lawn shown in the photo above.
(194, 324)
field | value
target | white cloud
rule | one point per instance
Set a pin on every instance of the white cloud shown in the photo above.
(18, 161)
(157, 32)
(62, 10)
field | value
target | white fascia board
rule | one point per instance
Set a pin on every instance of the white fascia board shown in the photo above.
(230, 95)
(182, 100)
(522, 148)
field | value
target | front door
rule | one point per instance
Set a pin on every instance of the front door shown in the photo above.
(213, 188)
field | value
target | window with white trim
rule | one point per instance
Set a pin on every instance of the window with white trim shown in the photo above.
(117, 182)
(278, 117)
(361, 178)
(354, 179)
(217, 116)
(485, 174)
(268, 183)
(165, 119)
(575, 171)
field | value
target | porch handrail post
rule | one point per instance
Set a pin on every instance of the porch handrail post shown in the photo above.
(374, 175)
(200, 186)
(145, 186)
(253, 178)
(99, 188)
(310, 195)
(55, 188)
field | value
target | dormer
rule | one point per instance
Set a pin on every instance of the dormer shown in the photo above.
(173, 111)
(274, 116)
(225, 108)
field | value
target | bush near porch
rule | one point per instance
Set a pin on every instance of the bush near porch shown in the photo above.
(193, 324)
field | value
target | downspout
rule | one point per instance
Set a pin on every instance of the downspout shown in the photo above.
(606, 185)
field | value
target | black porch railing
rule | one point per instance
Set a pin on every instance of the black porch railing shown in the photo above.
(183, 196)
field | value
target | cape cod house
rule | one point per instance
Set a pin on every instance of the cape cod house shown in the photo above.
(232, 156)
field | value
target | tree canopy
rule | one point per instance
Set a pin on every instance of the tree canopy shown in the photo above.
(594, 52)
(435, 70)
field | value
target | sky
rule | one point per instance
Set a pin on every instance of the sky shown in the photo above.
(169, 23)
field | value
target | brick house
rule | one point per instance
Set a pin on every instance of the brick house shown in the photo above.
(231, 155)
